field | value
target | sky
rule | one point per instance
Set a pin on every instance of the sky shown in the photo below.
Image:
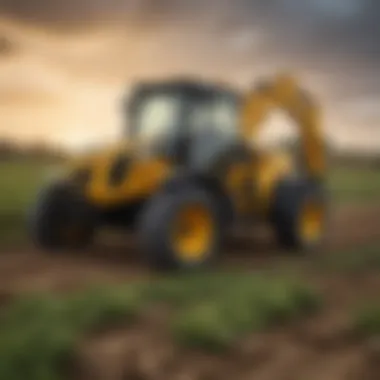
(64, 65)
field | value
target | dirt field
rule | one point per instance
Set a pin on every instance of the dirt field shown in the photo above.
(315, 348)
(29, 270)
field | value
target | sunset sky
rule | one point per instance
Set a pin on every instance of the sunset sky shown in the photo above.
(64, 65)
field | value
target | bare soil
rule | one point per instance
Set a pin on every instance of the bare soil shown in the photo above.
(316, 348)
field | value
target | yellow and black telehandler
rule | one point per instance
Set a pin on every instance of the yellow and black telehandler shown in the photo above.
(186, 172)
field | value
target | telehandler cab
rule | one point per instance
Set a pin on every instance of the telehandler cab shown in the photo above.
(187, 171)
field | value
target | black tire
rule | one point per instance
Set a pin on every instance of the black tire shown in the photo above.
(157, 220)
(57, 208)
(290, 197)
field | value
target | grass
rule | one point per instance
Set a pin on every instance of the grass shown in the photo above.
(359, 259)
(355, 185)
(19, 184)
(20, 181)
(366, 320)
(249, 304)
(39, 334)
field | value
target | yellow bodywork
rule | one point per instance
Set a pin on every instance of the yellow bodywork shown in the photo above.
(284, 93)
(143, 179)
(269, 169)
(250, 184)
(266, 169)
(144, 175)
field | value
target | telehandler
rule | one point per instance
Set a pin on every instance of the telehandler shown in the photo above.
(186, 172)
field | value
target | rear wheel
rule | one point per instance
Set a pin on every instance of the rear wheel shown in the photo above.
(61, 219)
(181, 230)
(299, 214)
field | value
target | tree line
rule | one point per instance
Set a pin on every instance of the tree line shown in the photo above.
(11, 150)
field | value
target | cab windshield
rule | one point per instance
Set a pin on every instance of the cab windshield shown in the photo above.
(158, 117)
(165, 118)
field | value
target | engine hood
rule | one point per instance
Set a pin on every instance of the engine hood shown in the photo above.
(93, 156)
(117, 174)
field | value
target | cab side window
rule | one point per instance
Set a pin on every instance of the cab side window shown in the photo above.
(225, 118)
(218, 117)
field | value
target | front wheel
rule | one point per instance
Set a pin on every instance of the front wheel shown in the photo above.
(181, 230)
(61, 219)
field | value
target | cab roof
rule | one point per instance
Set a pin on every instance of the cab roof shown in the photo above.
(190, 87)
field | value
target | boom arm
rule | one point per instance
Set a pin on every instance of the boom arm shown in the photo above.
(284, 93)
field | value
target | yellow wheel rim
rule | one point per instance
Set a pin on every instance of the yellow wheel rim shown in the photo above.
(312, 218)
(193, 232)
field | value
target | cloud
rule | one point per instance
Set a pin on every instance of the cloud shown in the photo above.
(328, 30)
(333, 45)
